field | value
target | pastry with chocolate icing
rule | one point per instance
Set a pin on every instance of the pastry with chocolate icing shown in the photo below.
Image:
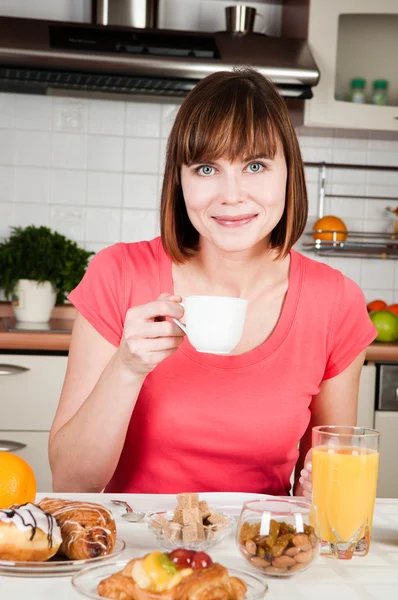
(88, 530)
(28, 533)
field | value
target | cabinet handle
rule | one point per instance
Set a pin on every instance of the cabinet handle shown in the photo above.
(12, 369)
(10, 446)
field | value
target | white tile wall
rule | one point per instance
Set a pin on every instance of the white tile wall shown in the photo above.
(92, 169)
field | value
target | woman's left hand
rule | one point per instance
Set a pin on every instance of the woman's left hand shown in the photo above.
(304, 486)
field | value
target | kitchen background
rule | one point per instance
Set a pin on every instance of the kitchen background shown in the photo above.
(92, 169)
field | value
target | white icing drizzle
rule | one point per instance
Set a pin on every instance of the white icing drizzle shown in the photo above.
(30, 516)
(73, 534)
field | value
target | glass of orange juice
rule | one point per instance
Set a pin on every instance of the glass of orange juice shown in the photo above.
(345, 463)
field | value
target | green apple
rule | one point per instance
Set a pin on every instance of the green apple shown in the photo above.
(386, 324)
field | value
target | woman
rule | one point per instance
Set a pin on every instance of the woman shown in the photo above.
(141, 410)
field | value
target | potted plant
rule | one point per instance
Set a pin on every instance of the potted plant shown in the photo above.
(39, 267)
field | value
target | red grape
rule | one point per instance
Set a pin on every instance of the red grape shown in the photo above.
(181, 557)
(201, 560)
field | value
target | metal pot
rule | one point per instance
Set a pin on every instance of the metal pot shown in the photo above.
(129, 13)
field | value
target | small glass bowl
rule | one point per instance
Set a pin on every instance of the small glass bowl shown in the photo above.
(170, 538)
(278, 536)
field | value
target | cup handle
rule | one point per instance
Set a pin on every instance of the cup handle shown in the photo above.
(177, 322)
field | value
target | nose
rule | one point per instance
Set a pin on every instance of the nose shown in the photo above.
(231, 191)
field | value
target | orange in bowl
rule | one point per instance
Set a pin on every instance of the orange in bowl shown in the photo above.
(393, 308)
(376, 305)
(17, 480)
(332, 229)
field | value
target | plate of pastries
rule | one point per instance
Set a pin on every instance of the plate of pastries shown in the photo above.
(56, 537)
(178, 575)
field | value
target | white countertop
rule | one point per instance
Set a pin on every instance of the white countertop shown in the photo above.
(374, 577)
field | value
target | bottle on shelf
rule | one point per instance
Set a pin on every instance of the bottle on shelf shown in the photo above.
(357, 94)
(379, 94)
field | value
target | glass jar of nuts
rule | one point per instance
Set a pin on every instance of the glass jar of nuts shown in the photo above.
(278, 536)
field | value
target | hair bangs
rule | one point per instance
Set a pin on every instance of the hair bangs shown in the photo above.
(232, 124)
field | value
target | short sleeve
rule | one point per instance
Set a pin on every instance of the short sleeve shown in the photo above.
(100, 296)
(352, 329)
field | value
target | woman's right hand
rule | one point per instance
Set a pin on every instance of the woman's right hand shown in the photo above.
(148, 338)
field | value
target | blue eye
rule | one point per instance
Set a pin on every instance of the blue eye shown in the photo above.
(255, 167)
(205, 170)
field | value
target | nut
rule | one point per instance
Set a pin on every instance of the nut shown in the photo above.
(292, 551)
(301, 539)
(297, 567)
(275, 570)
(283, 561)
(260, 562)
(251, 547)
(313, 540)
(303, 557)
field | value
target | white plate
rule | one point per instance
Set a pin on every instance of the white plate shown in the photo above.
(86, 582)
(55, 567)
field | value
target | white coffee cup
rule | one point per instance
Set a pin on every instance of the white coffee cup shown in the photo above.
(214, 324)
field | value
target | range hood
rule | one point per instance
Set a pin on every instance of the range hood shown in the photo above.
(50, 57)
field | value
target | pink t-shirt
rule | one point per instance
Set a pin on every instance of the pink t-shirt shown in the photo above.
(204, 422)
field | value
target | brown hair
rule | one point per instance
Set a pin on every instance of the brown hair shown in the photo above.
(233, 115)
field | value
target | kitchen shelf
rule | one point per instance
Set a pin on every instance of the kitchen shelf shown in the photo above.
(357, 244)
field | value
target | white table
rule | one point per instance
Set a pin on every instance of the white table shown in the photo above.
(374, 577)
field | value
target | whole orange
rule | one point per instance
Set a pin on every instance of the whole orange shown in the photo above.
(17, 480)
(329, 225)
(393, 308)
(376, 305)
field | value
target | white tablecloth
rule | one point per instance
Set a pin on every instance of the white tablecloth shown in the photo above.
(374, 577)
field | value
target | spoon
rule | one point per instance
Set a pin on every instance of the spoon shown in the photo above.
(132, 516)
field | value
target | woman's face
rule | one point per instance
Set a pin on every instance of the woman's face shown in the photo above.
(235, 205)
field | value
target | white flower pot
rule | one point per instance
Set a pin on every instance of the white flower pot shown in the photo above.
(33, 301)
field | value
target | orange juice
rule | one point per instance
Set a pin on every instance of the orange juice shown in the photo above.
(344, 480)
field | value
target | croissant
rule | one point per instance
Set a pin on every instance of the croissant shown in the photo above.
(88, 530)
(212, 583)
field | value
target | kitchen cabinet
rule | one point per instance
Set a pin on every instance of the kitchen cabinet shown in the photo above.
(351, 39)
(30, 387)
(387, 423)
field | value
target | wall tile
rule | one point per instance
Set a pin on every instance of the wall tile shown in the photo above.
(68, 221)
(388, 159)
(312, 154)
(6, 184)
(104, 189)
(345, 207)
(141, 191)
(388, 296)
(7, 110)
(31, 214)
(68, 187)
(7, 147)
(103, 225)
(105, 153)
(33, 148)
(376, 209)
(95, 246)
(33, 112)
(142, 119)
(32, 185)
(69, 151)
(378, 274)
(141, 155)
(7, 218)
(162, 156)
(106, 117)
(177, 16)
(168, 116)
(139, 225)
(70, 115)
(349, 156)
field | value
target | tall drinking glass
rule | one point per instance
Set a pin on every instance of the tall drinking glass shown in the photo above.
(345, 464)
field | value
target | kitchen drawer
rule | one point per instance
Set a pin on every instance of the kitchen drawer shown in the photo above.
(35, 453)
(30, 388)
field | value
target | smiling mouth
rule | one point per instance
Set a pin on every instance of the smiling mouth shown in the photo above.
(237, 221)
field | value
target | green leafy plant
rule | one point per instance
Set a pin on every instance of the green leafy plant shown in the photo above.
(39, 254)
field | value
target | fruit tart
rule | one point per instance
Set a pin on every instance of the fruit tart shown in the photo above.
(180, 575)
